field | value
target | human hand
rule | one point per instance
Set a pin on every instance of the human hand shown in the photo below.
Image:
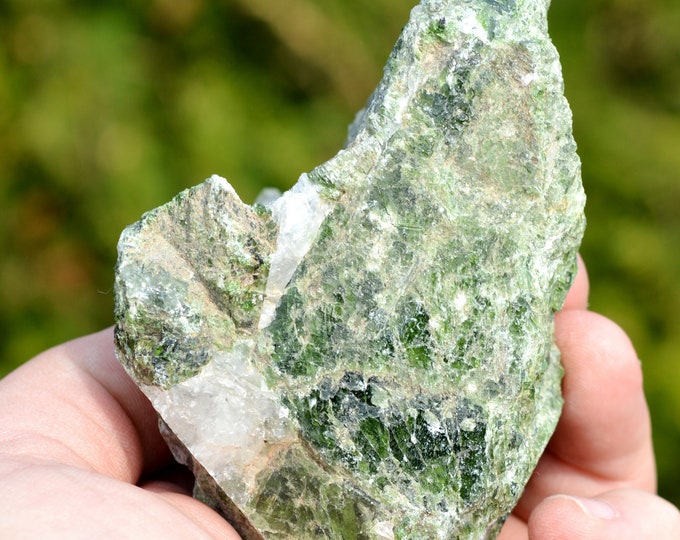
(81, 455)
(597, 478)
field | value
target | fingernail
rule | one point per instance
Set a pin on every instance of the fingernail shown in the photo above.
(593, 507)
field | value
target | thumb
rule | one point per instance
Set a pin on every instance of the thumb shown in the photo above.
(623, 514)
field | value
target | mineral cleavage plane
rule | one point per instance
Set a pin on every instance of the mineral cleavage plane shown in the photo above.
(371, 355)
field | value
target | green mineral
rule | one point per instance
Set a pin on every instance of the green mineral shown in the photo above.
(371, 355)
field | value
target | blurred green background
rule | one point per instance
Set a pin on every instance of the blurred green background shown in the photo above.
(109, 108)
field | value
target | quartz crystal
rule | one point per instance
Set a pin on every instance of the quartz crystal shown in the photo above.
(371, 355)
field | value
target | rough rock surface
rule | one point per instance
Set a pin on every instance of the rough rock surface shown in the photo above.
(371, 355)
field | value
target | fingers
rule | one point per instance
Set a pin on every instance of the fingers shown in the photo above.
(196, 511)
(604, 429)
(80, 433)
(96, 356)
(603, 439)
(74, 404)
(602, 443)
(56, 501)
(625, 514)
(577, 297)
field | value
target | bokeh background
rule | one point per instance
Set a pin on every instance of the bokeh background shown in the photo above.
(109, 108)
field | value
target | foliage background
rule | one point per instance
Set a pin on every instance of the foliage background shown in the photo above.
(109, 108)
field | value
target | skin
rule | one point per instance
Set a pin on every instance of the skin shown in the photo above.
(81, 456)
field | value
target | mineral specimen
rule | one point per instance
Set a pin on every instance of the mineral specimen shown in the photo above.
(371, 356)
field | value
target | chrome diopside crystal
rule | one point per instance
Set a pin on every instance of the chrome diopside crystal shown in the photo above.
(371, 355)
